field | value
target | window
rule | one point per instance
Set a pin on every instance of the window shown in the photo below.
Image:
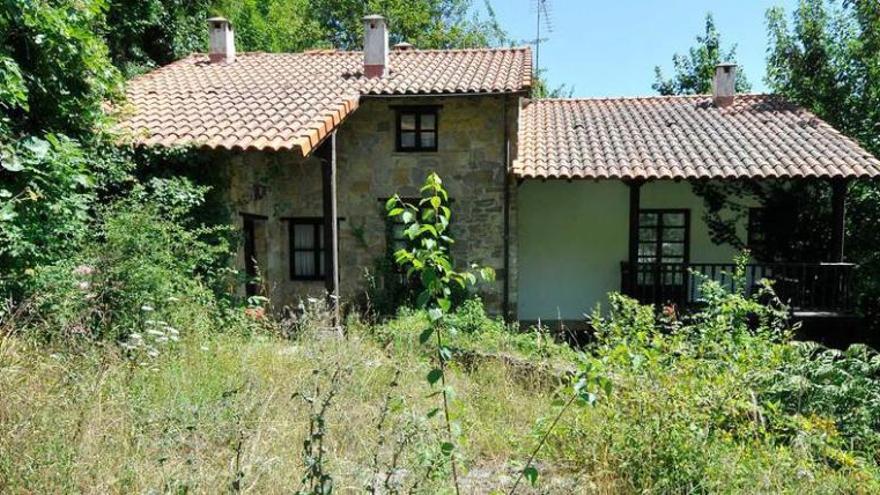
(254, 231)
(757, 233)
(663, 240)
(306, 248)
(417, 129)
(307, 251)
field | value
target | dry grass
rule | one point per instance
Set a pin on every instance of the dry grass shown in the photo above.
(94, 422)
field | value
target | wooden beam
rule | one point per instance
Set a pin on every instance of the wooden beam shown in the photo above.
(331, 225)
(838, 218)
(635, 191)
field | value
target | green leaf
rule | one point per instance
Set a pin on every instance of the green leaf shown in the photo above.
(11, 162)
(39, 147)
(445, 304)
(435, 201)
(445, 353)
(531, 474)
(435, 314)
(447, 448)
(395, 211)
(423, 298)
(426, 335)
(432, 412)
(435, 375)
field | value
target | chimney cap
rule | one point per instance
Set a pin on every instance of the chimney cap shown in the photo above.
(724, 84)
(222, 40)
(403, 45)
(373, 17)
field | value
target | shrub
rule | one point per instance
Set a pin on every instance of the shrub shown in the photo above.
(142, 266)
(723, 401)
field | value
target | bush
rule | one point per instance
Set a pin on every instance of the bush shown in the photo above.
(724, 401)
(142, 269)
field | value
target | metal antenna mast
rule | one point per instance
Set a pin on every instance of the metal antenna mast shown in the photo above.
(542, 8)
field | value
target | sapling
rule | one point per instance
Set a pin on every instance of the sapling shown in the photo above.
(427, 259)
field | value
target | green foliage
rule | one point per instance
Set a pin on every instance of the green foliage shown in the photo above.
(141, 263)
(53, 48)
(827, 59)
(724, 401)
(694, 72)
(541, 88)
(54, 161)
(273, 26)
(428, 258)
(842, 387)
(144, 34)
(44, 203)
(424, 23)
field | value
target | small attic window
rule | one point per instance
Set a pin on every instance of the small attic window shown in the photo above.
(417, 128)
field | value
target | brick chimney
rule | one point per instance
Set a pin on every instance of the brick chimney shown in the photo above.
(222, 40)
(375, 46)
(724, 84)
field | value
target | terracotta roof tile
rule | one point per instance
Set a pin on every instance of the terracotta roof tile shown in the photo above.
(290, 101)
(682, 137)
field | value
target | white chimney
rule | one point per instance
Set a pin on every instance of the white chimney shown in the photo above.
(724, 84)
(222, 40)
(375, 46)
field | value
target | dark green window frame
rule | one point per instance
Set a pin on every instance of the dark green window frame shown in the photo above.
(417, 128)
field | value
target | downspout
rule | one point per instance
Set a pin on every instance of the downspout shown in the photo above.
(506, 240)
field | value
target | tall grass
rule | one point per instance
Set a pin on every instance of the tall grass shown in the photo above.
(97, 422)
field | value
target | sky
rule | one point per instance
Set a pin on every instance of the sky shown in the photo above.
(610, 47)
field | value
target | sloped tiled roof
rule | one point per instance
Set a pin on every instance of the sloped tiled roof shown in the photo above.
(682, 137)
(290, 101)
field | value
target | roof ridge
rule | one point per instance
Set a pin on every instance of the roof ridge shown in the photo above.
(336, 51)
(648, 97)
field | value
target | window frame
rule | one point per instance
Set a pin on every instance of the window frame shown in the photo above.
(659, 228)
(418, 112)
(249, 231)
(317, 224)
(756, 227)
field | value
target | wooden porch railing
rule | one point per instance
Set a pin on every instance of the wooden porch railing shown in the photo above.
(803, 286)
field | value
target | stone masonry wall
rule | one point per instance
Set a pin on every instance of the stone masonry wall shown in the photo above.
(470, 159)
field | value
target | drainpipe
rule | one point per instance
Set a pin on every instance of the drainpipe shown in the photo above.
(506, 240)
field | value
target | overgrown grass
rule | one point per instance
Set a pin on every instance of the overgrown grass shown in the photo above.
(97, 422)
(187, 395)
(224, 411)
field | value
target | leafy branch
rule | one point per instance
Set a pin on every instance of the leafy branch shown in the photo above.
(427, 257)
(579, 391)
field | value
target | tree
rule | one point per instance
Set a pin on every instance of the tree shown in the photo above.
(694, 72)
(828, 61)
(424, 23)
(144, 34)
(55, 75)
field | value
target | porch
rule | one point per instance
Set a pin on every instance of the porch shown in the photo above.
(659, 269)
(578, 240)
(804, 287)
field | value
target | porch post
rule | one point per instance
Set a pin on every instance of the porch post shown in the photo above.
(635, 189)
(838, 216)
(331, 234)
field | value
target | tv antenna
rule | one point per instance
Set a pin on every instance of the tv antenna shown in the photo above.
(542, 11)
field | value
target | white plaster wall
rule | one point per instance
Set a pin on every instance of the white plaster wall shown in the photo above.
(574, 235)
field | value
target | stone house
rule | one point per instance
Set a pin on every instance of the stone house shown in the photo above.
(567, 199)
